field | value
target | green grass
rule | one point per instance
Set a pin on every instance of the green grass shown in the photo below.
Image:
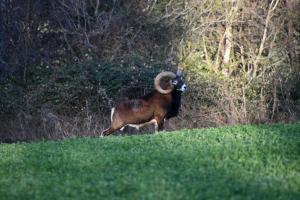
(240, 162)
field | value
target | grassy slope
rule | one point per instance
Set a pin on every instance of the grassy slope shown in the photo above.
(242, 162)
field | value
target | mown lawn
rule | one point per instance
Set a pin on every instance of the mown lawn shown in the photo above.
(240, 162)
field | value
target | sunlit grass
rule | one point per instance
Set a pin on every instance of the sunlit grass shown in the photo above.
(241, 162)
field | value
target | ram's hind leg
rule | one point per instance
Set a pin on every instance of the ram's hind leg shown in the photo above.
(113, 128)
(115, 125)
(108, 131)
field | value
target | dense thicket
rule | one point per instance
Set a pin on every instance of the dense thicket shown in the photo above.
(64, 63)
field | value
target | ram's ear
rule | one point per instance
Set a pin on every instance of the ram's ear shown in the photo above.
(179, 72)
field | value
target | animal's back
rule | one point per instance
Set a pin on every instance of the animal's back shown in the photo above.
(134, 111)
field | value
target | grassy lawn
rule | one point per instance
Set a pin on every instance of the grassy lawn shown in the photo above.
(240, 162)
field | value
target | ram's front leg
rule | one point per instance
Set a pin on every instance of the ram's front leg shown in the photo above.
(159, 125)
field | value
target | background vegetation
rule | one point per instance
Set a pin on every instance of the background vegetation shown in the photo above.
(64, 63)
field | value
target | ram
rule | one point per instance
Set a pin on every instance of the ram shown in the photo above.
(153, 108)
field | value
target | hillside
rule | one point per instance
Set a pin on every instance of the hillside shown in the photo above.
(240, 162)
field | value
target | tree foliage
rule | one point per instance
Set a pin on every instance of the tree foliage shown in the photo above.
(241, 58)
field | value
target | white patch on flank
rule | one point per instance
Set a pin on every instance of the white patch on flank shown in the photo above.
(138, 126)
(112, 113)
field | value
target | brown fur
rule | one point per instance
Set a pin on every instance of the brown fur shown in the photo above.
(160, 104)
(139, 111)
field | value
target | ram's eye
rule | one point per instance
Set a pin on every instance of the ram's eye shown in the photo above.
(175, 82)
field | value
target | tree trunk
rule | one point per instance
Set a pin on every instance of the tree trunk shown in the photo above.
(228, 44)
(290, 28)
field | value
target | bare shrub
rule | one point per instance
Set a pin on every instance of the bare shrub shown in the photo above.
(63, 64)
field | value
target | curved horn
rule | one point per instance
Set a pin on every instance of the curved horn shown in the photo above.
(158, 79)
